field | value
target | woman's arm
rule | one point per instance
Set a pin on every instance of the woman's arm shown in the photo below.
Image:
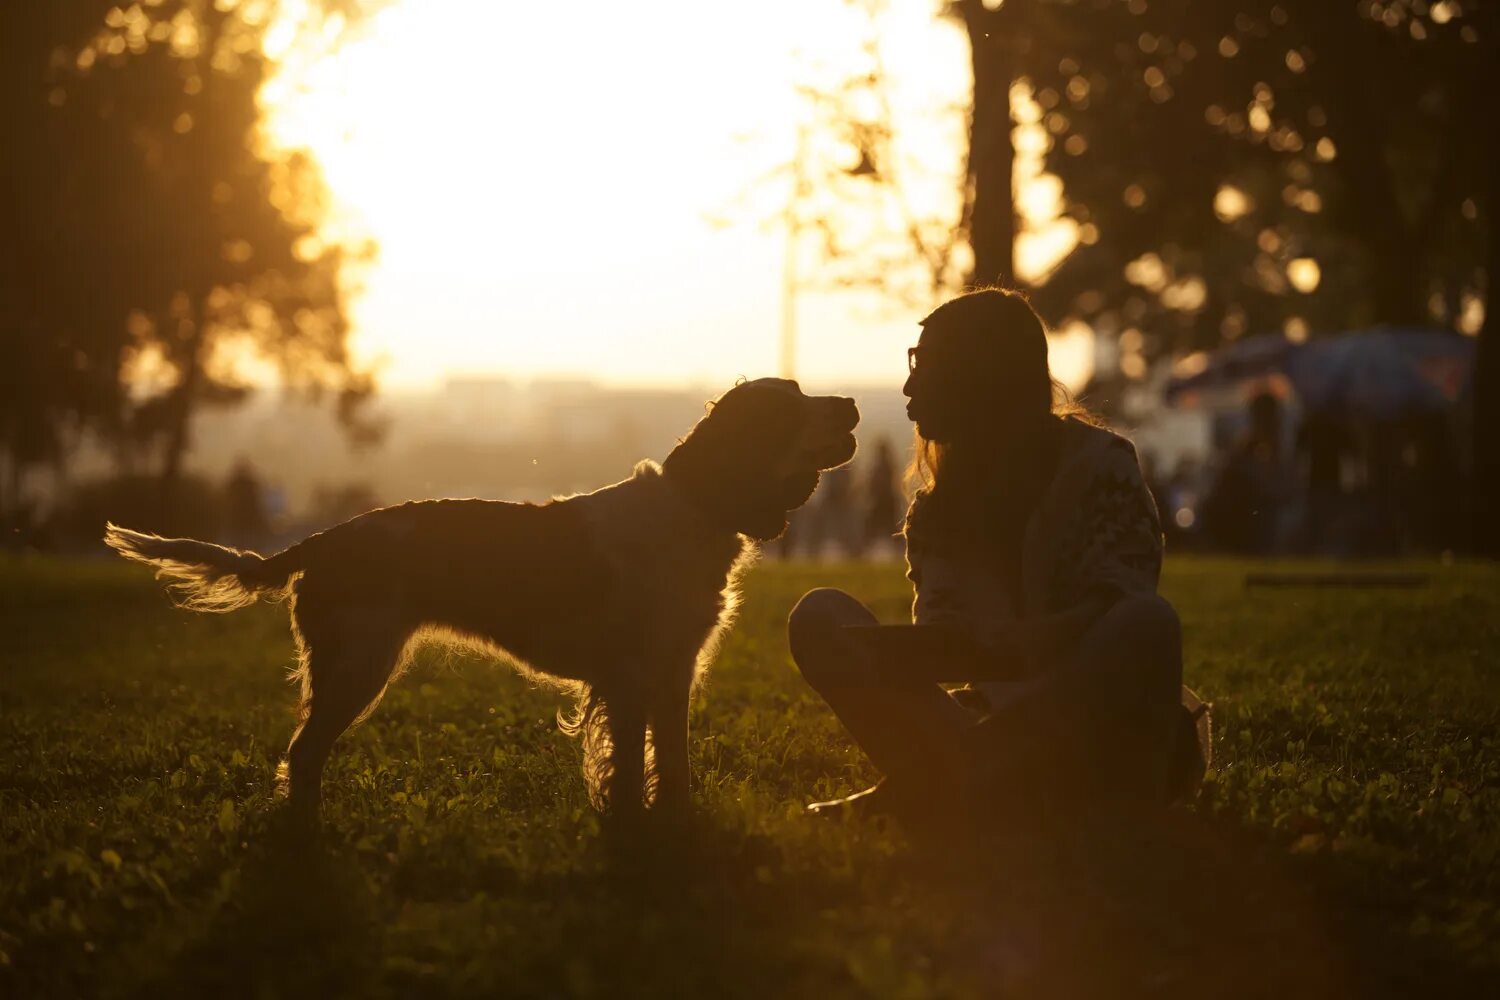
(934, 579)
(1042, 639)
(1111, 547)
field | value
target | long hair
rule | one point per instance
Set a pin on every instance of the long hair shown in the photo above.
(927, 456)
(995, 349)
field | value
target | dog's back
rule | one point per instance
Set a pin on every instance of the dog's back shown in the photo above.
(527, 577)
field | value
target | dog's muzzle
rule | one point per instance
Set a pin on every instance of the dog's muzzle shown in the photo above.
(831, 441)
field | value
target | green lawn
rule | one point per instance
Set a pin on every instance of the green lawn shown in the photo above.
(1346, 844)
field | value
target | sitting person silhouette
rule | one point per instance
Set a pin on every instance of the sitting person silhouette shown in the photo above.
(1034, 549)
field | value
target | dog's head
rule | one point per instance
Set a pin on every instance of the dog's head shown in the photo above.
(758, 453)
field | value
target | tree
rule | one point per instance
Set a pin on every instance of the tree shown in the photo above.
(1239, 166)
(849, 183)
(1258, 164)
(52, 334)
(155, 240)
(847, 198)
(998, 39)
(1487, 356)
(1243, 165)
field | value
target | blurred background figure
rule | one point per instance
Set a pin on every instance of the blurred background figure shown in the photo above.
(883, 505)
(857, 510)
(1244, 512)
(1324, 445)
(1438, 504)
(1380, 462)
(831, 526)
(246, 525)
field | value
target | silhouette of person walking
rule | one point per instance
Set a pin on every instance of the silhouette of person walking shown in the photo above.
(244, 506)
(1244, 510)
(882, 499)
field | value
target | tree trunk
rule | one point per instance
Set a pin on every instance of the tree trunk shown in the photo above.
(991, 209)
(10, 487)
(1372, 212)
(179, 428)
(1486, 439)
(1399, 282)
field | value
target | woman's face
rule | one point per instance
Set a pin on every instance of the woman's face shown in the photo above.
(957, 389)
(935, 388)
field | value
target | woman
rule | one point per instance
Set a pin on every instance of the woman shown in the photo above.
(1034, 549)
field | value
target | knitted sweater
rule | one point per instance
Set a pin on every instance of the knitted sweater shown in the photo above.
(1094, 532)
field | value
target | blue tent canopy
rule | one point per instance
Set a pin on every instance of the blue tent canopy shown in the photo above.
(1370, 373)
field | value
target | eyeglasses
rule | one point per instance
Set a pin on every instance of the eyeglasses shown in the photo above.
(911, 359)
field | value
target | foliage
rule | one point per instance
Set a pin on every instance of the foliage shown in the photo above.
(1345, 846)
(1243, 165)
(1231, 166)
(861, 202)
(200, 510)
(153, 244)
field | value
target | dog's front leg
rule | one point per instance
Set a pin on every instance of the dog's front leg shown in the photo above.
(669, 744)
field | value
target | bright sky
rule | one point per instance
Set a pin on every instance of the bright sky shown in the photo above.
(540, 180)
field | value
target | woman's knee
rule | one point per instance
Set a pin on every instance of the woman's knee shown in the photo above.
(813, 631)
(1152, 619)
(1141, 633)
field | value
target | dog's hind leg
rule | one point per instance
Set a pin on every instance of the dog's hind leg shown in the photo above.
(344, 675)
(625, 778)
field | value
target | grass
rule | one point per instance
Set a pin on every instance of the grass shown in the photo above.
(1346, 844)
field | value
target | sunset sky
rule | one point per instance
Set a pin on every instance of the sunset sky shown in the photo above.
(542, 183)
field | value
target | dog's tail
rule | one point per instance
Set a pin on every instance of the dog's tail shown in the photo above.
(204, 576)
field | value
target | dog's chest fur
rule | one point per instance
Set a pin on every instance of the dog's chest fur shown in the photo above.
(675, 573)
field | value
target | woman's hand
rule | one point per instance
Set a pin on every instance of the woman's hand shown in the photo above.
(936, 606)
(942, 615)
(1042, 639)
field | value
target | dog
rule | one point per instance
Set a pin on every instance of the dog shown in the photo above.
(620, 595)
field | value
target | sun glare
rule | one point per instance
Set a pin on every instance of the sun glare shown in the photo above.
(539, 180)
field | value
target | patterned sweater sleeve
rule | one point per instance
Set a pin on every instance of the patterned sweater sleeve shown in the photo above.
(1112, 544)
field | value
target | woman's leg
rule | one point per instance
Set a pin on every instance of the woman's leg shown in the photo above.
(1105, 716)
(909, 729)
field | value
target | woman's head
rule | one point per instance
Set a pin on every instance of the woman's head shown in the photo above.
(979, 370)
(983, 402)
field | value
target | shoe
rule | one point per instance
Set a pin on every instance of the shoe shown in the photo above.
(873, 801)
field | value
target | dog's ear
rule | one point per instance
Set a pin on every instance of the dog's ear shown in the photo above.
(732, 463)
